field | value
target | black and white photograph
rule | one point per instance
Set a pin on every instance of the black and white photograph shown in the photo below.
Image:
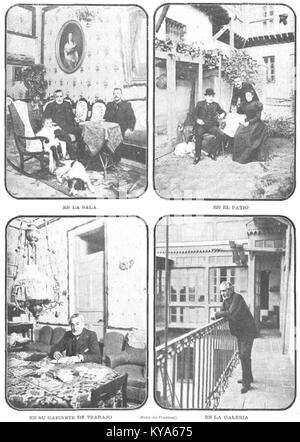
(224, 101)
(225, 313)
(76, 331)
(76, 101)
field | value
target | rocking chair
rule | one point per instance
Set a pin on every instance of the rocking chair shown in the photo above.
(24, 135)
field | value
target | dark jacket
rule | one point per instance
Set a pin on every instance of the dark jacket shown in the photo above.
(208, 113)
(240, 319)
(86, 345)
(121, 113)
(35, 115)
(240, 94)
(61, 114)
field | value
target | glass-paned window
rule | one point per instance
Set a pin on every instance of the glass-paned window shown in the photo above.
(270, 68)
(173, 314)
(216, 276)
(268, 15)
(175, 30)
(187, 285)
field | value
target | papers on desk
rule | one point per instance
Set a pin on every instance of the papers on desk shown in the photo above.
(65, 375)
(14, 362)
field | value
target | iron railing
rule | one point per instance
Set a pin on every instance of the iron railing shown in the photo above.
(199, 364)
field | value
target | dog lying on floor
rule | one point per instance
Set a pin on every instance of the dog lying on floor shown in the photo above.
(73, 172)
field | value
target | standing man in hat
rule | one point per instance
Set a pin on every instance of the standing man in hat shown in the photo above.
(206, 116)
(241, 325)
(239, 94)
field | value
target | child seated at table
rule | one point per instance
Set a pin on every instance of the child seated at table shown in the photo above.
(55, 146)
(232, 122)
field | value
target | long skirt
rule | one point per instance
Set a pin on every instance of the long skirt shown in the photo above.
(249, 143)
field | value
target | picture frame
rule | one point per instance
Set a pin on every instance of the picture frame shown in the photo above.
(70, 46)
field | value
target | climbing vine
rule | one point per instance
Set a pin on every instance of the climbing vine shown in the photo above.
(239, 63)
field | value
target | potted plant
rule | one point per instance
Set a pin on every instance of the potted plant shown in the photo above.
(34, 80)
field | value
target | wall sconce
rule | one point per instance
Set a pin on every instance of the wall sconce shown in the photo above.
(283, 19)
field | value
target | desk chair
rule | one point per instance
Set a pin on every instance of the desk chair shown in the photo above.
(112, 394)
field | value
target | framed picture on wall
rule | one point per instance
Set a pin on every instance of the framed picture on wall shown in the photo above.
(70, 46)
(17, 73)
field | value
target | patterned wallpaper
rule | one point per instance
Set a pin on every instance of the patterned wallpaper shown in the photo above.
(127, 273)
(127, 298)
(103, 66)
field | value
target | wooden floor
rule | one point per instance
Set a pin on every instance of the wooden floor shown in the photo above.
(274, 376)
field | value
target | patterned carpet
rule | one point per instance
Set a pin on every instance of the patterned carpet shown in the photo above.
(122, 181)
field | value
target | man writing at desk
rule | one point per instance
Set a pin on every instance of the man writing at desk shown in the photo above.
(80, 344)
(121, 112)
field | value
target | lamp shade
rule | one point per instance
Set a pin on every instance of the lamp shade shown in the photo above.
(32, 284)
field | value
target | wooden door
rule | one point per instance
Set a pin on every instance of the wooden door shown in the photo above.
(89, 290)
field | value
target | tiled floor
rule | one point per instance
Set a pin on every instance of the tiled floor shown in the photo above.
(274, 386)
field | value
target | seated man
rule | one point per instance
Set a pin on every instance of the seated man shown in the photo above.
(121, 112)
(80, 344)
(62, 115)
(206, 115)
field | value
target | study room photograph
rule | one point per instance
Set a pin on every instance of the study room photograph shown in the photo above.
(76, 313)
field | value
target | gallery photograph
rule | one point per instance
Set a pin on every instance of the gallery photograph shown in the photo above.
(225, 313)
(76, 313)
(76, 101)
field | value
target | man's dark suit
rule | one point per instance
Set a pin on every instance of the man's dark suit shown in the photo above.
(209, 114)
(62, 115)
(85, 344)
(121, 113)
(241, 325)
(239, 93)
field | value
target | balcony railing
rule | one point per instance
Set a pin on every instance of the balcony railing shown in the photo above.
(192, 371)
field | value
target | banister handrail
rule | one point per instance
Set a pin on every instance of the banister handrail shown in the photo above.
(200, 330)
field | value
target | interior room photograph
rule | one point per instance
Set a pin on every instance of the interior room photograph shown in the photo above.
(76, 101)
(76, 313)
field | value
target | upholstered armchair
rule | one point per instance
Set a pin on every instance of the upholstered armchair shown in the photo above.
(133, 362)
(113, 344)
(47, 336)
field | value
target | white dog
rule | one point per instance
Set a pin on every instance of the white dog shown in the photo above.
(74, 173)
(183, 149)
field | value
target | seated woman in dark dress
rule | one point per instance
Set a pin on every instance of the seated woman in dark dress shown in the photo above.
(251, 136)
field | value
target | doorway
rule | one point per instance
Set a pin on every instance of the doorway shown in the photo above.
(264, 290)
(87, 275)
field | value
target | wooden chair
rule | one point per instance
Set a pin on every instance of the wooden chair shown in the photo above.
(113, 394)
(81, 110)
(98, 111)
(22, 141)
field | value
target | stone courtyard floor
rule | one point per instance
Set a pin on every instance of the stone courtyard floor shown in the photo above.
(274, 376)
(177, 177)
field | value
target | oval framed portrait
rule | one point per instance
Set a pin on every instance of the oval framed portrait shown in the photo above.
(70, 46)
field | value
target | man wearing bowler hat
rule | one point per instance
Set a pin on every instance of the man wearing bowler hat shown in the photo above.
(206, 116)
